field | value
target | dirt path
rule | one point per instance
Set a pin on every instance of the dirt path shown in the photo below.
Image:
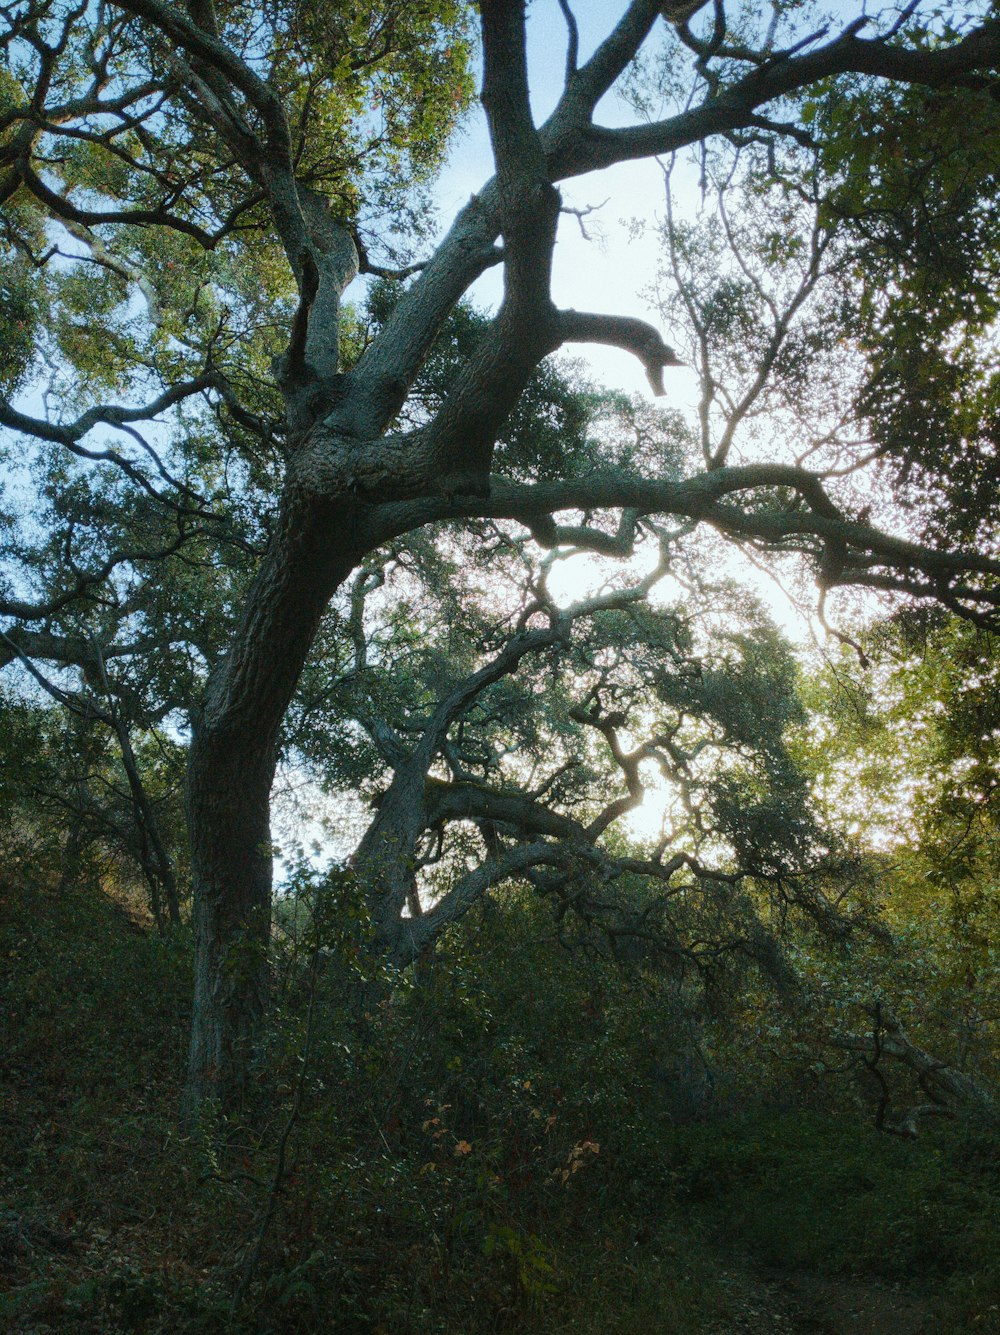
(805, 1304)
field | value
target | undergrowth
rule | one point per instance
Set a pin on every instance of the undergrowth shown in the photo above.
(507, 1142)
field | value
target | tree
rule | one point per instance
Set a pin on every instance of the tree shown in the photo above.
(188, 193)
(913, 742)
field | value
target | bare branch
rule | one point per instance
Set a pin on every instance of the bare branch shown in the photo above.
(589, 83)
(968, 61)
(621, 331)
(119, 417)
(573, 39)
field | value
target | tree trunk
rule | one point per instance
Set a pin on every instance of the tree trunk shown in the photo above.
(231, 767)
(229, 784)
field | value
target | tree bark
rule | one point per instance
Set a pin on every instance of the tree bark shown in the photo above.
(229, 781)
(233, 755)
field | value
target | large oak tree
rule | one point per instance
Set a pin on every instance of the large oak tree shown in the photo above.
(189, 189)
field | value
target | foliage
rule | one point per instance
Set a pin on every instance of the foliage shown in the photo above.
(455, 1081)
(908, 752)
(907, 174)
(520, 1146)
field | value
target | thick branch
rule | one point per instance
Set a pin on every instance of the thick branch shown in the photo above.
(589, 83)
(71, 650)
(415, 934)
(621, 331)
(735, 106)
(517, 810)
(384, 855)
(893, 1042)
(702, 498)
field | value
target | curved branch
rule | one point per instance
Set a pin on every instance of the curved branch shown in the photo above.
(415, 934)
(735, 107)
(66, 210)
(621, 331)
(702, 498)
